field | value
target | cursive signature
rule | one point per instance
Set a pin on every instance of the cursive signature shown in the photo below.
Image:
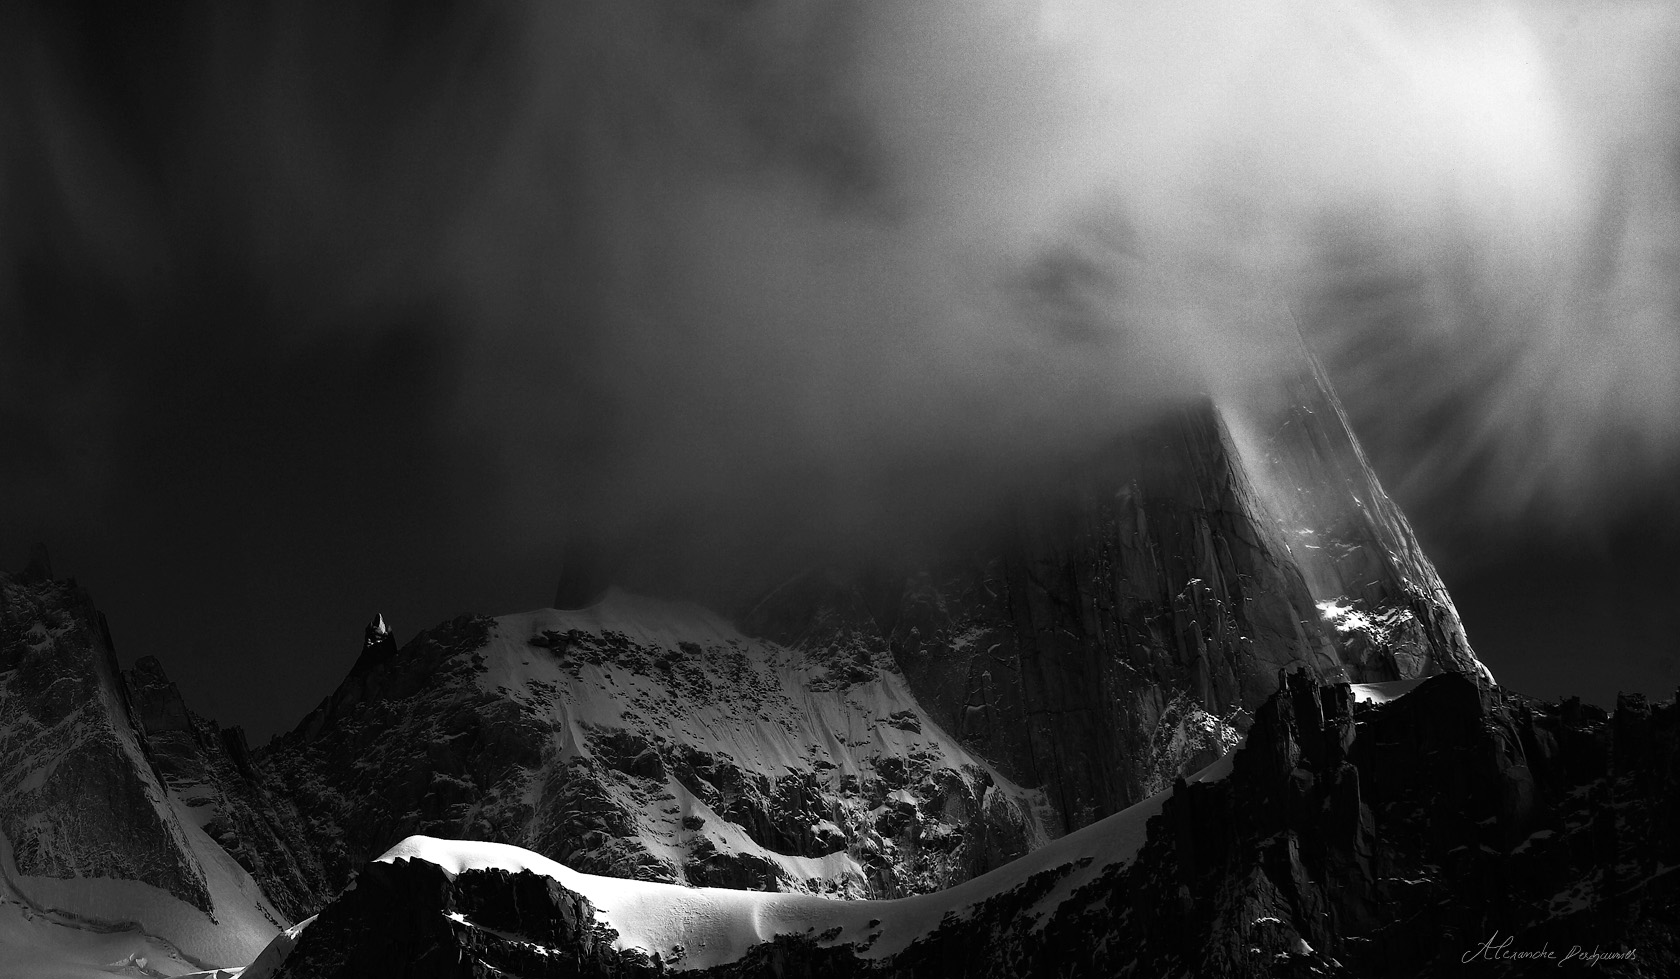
(1495, 950)
(1503, 952)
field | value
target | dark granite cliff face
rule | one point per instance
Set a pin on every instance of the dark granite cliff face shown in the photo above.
(410, 919)
(121, 811)
(1117, 631)
(1409, 838)
(1382, 840)
(1395, 840)
(209, 772)
(81, 798)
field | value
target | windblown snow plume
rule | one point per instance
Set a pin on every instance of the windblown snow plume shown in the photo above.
(779, 275)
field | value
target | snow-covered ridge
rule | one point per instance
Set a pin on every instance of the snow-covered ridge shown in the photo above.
(716, 925)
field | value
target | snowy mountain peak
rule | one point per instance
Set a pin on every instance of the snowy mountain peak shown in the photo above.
(651, 739)
(379, 626)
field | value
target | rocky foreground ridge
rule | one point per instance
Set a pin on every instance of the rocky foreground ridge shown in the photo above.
(1350, 837)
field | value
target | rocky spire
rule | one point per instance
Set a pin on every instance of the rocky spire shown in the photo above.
(378, 644)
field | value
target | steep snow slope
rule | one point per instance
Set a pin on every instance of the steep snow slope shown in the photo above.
(179, 935)
(773, 712)
(62, 935)
(45, 945)
(649, 739)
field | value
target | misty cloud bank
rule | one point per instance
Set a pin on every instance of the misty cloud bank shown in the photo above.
(724, 277)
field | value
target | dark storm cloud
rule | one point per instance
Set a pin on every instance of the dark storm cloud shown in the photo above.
(722, 279)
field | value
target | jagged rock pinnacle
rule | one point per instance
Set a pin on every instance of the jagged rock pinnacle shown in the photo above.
(377, 641)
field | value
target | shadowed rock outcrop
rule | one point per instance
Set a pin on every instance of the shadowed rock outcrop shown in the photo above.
(81, 798)
(410, 920)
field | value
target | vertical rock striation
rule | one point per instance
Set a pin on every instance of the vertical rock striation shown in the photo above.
(1390, 611)
(1115, 631)
(82, 800)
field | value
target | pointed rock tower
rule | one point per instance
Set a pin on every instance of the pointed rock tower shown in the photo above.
(1119, 629)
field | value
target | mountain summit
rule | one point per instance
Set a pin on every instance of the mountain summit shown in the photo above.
(888, 735)
(1117, 631)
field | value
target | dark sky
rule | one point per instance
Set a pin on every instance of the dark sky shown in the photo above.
(316, 312)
